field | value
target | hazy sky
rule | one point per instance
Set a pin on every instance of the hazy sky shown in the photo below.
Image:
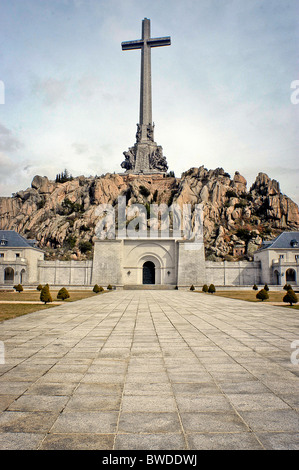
(221, 91)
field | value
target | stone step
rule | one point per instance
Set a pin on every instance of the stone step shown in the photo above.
(149, 287)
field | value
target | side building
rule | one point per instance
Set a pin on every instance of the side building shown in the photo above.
(279, 260)
(19, 259)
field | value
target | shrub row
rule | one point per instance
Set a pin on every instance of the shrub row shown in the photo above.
(211, 289)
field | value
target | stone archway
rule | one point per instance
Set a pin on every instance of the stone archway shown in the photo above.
(148, 273)
(9, 275)
(22, 276)
(149, 270)
(276, 277)
(290, 275)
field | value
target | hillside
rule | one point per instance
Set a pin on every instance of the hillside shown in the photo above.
(62, 216)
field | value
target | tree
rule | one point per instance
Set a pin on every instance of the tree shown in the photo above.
(290, 297)
(63, 294)
(39, 287)
(63, 177)
(45, 295)
(212, 289)
(205, 288)
(266, 288)
(84, 247)
(287, 287)
(262, 295)
(255, 287)
(192, 287)
(19, 288)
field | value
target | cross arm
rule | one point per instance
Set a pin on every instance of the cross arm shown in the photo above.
(128, 45)
(157, 42)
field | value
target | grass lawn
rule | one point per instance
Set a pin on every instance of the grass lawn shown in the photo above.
(9, 311)
(34, 296)
(250, 296)
(15, 309)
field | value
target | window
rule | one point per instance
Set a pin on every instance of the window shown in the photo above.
(1, 255)
(281, 256)
(17, 255)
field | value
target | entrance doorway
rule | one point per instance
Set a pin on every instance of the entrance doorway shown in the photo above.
(291, 275)
(148, 273)
(9, 276)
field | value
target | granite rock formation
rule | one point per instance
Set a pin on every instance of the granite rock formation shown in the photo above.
(62, 216)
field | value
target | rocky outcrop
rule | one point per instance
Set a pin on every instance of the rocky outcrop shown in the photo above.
(62, 216)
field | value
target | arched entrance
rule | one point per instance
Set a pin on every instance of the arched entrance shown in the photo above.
(22, 276)
(9, 275)
(291, 275)
(148, 273)
(276, 277)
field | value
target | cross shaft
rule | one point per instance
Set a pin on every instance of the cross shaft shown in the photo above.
(145, 44)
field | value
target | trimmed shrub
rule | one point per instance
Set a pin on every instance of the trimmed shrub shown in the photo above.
(45, 295)
(255, 287)
(192, 287)
(262, 295)
(18, 288)
(109, 287)
(205, 288)
(287, 287)
(290, 297)
(39, 287)
(212, 289)
(266, 288)
(97, 289)
(63, 294)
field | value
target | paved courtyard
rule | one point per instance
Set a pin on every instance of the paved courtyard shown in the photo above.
(167, 370)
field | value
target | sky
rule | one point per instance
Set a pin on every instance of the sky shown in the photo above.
(222, 92)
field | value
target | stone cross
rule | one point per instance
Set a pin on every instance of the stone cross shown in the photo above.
(145, 44)
(145, 146)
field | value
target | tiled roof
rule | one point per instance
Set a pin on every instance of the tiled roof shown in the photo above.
(14, 240)
(284, 240)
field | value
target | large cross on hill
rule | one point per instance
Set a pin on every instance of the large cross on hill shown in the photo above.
(145, 148)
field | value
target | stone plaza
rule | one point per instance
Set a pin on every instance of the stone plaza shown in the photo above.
(153, 370)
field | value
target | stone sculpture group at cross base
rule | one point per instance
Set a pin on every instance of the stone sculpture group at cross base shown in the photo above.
(145, 156)
(156, 159)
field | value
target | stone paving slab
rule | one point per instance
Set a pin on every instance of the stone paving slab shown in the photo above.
(153, 370)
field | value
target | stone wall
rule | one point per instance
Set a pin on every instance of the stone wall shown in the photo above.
(227, 273)
(191, 264)
(65, 273)
(107, 262)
